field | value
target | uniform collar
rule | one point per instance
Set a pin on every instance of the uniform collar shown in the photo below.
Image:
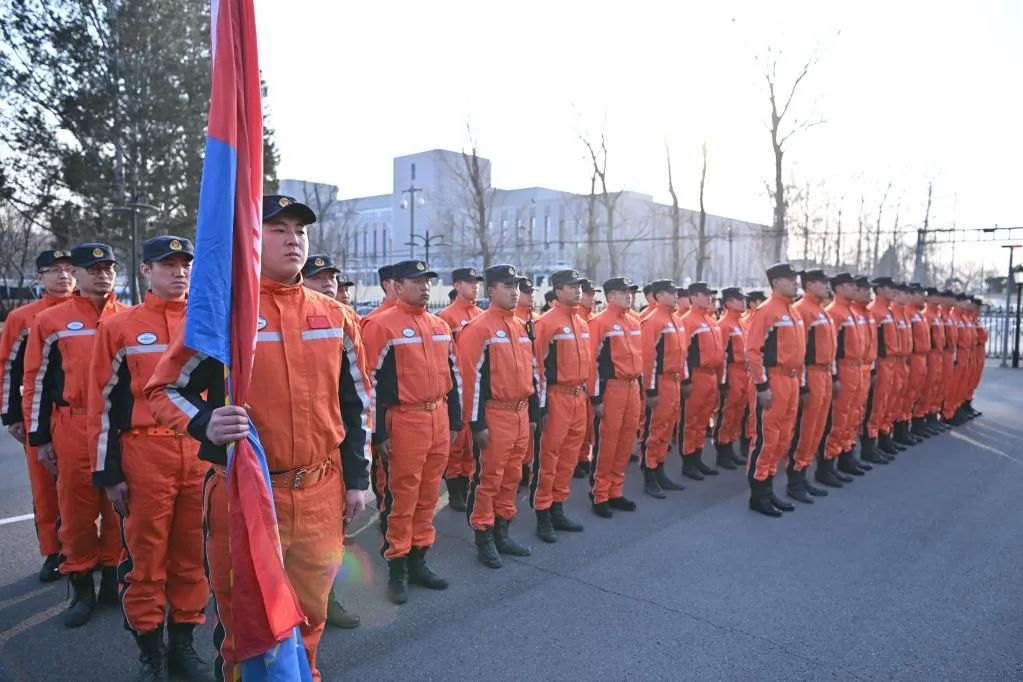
(275, 288)
(157, 304)
(775, 296)
(52, 300)
(843, 300)
(616, 311)
(410, 309)
(501, 312)
(558, 305)
(812, 299)
(465, 306)
(83, 302)
(732, 314)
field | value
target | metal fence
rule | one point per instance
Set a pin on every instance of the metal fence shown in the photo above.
(999, 323)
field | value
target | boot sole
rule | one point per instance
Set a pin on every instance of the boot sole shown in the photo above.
(804, 500)
(656, 496)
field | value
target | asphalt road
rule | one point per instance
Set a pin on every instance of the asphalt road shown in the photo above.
(913, 572)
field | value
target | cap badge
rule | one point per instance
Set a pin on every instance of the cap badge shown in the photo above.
(284, 201)
(511, 269)
(627, 282)
(97, 252)
(472, 272)
(175, 245)
(420, 266)
(575, 274)
(58, 254)
(318, 262)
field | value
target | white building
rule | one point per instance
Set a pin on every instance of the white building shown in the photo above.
(537, 229)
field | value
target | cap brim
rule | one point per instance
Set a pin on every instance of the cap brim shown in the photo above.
(169, 252)
(316, 271)
(93, 261)
(300, 211)
(477, 278)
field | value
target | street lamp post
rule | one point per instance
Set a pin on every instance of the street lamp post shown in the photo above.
(427, 241)
(410, 204)
(1017, 276)
(134, 207)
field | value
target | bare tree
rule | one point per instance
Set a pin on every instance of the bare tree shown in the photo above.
(676, 220)
(701, 228)
(476, 196)
(918, 254)
(782, 131)
(20, 241)
(861, 219)
(877, 228)
(838, 233)
(323, 200)
(608, 201)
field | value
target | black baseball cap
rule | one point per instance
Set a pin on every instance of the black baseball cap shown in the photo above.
(317, 263)
(525, 285)
(755, 295)
(465, 275)
(51, 256)
(88, 254)
(813, 276)
(166, 246)
(659, 285)
(701, 288)
(933, 291)
(647, 288)
(842, 278)
(565, 277)
(682, 291)
(549, 296)
(862, 281)
(781, 270)
(277, 204)
(732, 292)
(384, 273)
(884, 282)
(619, 284)
(344, 280)
(410, 269)
(497, 274)
(587, 287)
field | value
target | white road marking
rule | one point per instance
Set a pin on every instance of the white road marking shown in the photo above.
(15, 519)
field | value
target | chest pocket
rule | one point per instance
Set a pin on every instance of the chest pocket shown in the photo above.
(322, 349)
(142, 353)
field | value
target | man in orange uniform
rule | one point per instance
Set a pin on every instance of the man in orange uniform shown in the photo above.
(309, 403)
(820, 382)
(56, 387)
(850, 349)
(390, 298)
(616, 371)
(934, 317)
(915, 412)
(979, 350)
(737, 388)
(849, 464)
(775, 351)
(664, 371)
(950, 358)
(56, 275)
(965, 341)
(705, 360)
(900, 409)
(320, 274)
(753, 300)
(587, 307)
(563, 362)
(463, 309)
(651, 302)
(418, 416)
(151, 474)
(502, 406)
(888, 359)
(525, 310)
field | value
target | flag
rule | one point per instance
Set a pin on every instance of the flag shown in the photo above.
(223, 307)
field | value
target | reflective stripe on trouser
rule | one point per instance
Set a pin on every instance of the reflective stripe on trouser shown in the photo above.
(309, 522)
(559, 448)
(951, 400)
(847, 406)
(733, 404)
(498, 470)
(700, 406)
(896, 395)
(660, 423)
(162, 534)
(584, 450)
(877, 402)
(460, 459)
(44, 503)
(616, 434)
(866, 388)
(775, 426)
(932, 384)
(420, 443)
(813, 413)
(80, 502)
(915, 403)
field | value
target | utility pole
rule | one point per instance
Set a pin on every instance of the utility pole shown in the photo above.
(1008, 303)
(134, 207)
(410, 204)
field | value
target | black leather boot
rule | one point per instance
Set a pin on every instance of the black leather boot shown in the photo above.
(869, 452)
(825, 473)
(886, 445)
(690, 468)
(182, 660)
(959, 418)
(544, 527)
(562, 522)
(739, 454)
(108, 595)
(812, 489)
(774, 499)
(901, 435)
(650, 485)
(50, 572)
(458, 488)
(795, 487)
(504, 542)
(338, 617)
(726, 456)
(847, 465)
(83, 600)
(972, 413)
(919, 428)
(486, 550)
(622, 504)
(524, 481)
(760, 501)
(420, 574)
(397, 580)
(665, 482)
(581, 469)
(152, 657)
(704, 469)
(603, 510)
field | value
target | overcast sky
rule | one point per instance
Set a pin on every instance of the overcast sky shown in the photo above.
(910, 91)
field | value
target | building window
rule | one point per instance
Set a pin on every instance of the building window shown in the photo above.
(547, 230)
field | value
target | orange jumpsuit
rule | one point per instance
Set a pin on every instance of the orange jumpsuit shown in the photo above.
(664, 369)
(820, 371)
(915, 405)
(56, 387)
(775, 351)
(460, 460)
(898, 404)
(850, 350)
(867, 325)
(949, 359)
(13, 343)
(310, 406)
(738, 387)
(377, 476)
(965, 342)
(980, 344)
(881, 395)
(563, 362)
(528, 317)
(162, 533)
(705, 359)
(499, 393)
(418, 405)
(584, 451)
(931, 401)
(616, 370)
